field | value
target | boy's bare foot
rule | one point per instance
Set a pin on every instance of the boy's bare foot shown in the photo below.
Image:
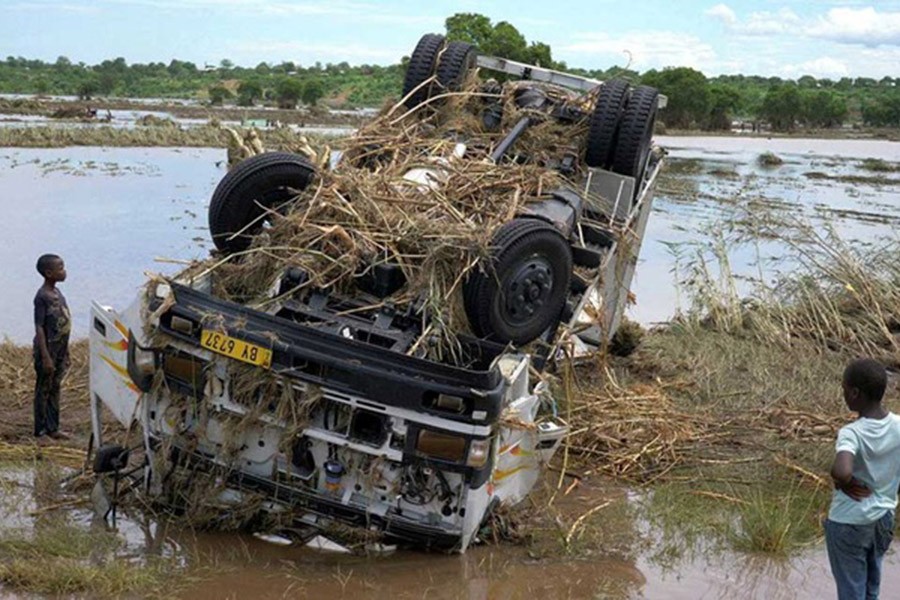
(59, 435)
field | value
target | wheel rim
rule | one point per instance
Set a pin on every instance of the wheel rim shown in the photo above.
(527, 290)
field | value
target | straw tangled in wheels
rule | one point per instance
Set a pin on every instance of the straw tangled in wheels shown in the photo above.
(437, 229)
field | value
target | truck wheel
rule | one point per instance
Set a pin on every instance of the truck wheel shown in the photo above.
(635, 132)
(601, 139)
(455, 64)
(264, 180)
(421, 68)
(522, 293)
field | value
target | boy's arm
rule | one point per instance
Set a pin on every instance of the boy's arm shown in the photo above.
(40, 313)
(842, 474)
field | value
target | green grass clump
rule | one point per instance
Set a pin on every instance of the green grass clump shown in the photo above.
(779, 523)
(72, 576)
(769, 159)
(878, 165)
(61, 558)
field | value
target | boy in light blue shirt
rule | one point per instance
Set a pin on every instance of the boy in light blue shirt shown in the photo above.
(866, 474)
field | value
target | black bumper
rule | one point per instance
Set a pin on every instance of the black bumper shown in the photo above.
(342, 364)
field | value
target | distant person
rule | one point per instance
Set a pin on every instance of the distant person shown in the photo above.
(53, 324)
(866, 474)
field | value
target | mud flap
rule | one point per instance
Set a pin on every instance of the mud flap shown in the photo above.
(100, 499)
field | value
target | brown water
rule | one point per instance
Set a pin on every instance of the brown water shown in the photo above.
(111, 212)
(622, 563)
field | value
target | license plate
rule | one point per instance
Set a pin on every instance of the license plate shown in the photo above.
(236, 349)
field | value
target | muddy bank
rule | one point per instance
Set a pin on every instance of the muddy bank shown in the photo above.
(48, 107)
(854, 133)
(17, 392)
(203, 136)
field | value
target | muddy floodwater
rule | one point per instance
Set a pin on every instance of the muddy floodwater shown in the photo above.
(112, 212)
(116, 213)
(242, 566)
(109, 212)
(711, 180)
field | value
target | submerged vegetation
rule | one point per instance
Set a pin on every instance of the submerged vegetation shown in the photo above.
(47, 548)
(730, 412)
(62, 559)
(148, 135)
(769, 159)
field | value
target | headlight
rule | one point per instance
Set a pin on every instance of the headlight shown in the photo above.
(441, 445)
(479, 451)
(452, 448)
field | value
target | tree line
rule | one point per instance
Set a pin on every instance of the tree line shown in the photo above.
(695, 100)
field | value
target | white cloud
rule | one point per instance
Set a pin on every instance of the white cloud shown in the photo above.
(309, 52)
(767, 23)
(824, 66)
(865, 26)
(723, 13)
(641, 50)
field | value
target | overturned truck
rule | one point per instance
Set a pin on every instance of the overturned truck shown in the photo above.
(366, 346)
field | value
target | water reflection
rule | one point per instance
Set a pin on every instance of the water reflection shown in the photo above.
(108, 212)
(710, 180)
(240, 566)
(111, 211)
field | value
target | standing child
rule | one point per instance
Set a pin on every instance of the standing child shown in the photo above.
(52, 324)
(866, 475)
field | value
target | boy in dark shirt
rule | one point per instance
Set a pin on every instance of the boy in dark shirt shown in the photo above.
(52, 323)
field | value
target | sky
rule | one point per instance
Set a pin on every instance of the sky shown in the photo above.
(762, 37)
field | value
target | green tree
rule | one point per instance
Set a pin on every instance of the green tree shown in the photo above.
(470, 27)
(288, 91)
(249, 92)
(823, 108)
(218, 94)
(782, 107)
(688, 93)
(501, 39)
(313, 90)
(107, 82)
(62, 63)
(723, 101)
(882, 110)
(87, 88)
(539, 54)
(506, 41)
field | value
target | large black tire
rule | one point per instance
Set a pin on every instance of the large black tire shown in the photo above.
(456, 62)
(421, 68)
(635, 132)
(522, 292)
(268, 180)
(605, 119)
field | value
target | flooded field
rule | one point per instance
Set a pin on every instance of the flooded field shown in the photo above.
(109, 212)
(112, 213)
(710, 181)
